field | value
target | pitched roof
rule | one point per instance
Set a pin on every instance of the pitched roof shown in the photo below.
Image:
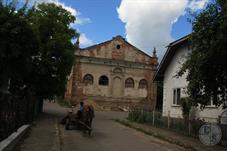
(116, 37)
(171, 50)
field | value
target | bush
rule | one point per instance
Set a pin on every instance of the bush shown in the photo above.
(140, 116)
(186, 104)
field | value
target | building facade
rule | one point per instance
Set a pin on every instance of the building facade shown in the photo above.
(175, 88)
(113, 74)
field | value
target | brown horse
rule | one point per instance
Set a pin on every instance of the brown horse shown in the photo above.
(87, 116)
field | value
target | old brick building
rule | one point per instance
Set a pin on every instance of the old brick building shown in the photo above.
(113, 74)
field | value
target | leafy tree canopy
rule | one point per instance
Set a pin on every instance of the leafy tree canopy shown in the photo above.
(36, 50)
(54, 60)
(206, 65)
(17, 44)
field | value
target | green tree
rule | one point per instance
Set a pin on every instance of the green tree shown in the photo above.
(17, 46)
(206, 65)
(36, 49)
(54, 60)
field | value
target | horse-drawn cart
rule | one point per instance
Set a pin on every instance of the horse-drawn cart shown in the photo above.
(80, 120)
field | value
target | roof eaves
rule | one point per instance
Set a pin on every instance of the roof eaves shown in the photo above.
(163, 64)
(179, 40)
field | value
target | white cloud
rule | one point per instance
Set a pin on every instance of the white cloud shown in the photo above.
(148, 23)
(84, 40)
(82, 21)
(195, 5)
(79, 20)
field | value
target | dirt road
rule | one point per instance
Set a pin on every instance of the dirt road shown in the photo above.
(107, 135)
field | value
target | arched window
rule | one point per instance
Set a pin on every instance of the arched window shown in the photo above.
(103, 80)
(88, 79)
(129, 83)
(143, 84)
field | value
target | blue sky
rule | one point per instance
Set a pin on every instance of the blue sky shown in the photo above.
(144, 23)
(105, 22)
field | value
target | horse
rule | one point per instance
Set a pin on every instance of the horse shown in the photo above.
(87, 116)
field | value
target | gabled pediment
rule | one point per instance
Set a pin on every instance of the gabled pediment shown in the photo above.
(117, 49)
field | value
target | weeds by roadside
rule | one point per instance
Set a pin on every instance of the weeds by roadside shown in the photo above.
(156, 119)
(129, 124)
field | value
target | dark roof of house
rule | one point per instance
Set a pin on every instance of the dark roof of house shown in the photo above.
(171, 50)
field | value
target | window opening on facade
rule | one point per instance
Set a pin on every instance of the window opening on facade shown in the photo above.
(143, 84)
(103, 80)
(88, 79)
(129, 83)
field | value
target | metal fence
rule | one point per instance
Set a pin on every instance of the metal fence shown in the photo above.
(15, 111)
(189, 127)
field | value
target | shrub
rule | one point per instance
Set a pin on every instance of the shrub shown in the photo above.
(186, 104)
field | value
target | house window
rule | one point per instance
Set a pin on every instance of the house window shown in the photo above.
(176, 96)
(129, 83)
(88, 79)
(103, 80)
(143, 84)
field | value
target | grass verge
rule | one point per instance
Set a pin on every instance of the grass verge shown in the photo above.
(128, 124)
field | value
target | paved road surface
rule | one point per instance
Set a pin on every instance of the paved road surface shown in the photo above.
(48, 135)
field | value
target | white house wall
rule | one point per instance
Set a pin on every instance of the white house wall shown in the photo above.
(170, 82)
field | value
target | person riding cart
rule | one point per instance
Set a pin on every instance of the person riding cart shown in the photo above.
(80, 111)
(81, 120)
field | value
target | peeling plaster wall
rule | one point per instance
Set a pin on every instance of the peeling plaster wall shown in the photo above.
(118, 60)
(96, 71)
(110, 51)
(97, 90)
